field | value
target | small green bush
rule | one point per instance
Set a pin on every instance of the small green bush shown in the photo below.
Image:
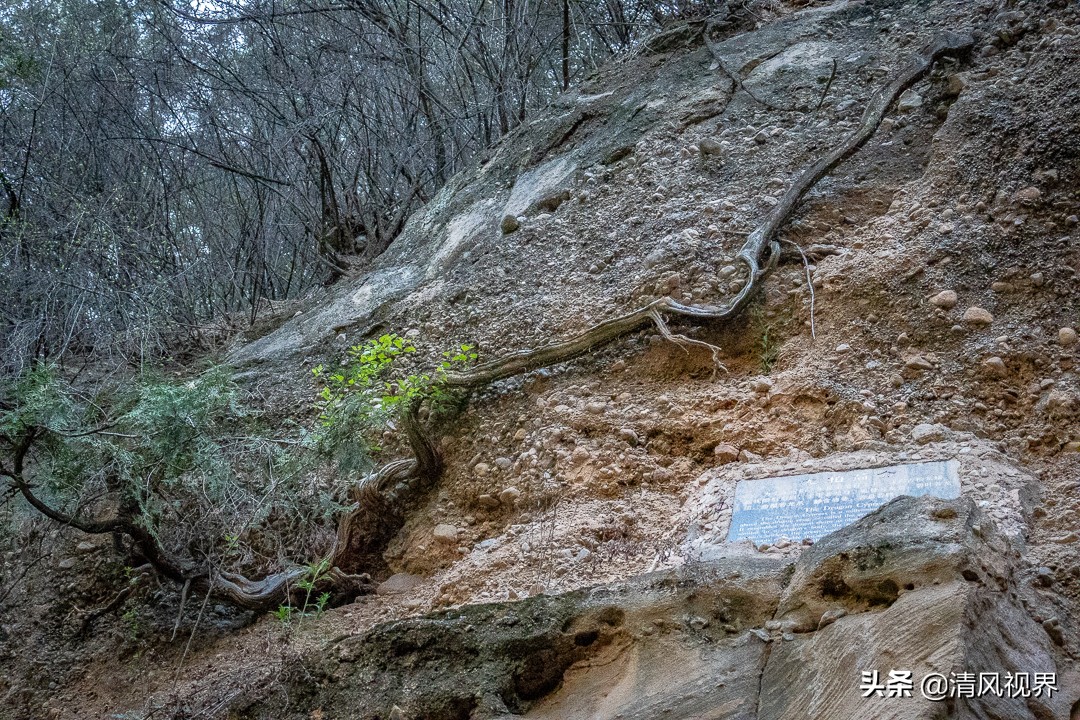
(189, 460)
(194, 463)
(369, 389)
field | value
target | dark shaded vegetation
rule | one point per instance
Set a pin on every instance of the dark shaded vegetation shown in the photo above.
(170, 170)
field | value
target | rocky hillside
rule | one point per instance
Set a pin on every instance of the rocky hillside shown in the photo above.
(572, 562)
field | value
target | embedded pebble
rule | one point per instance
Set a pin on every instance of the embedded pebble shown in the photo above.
(978, 317)
(445, 533)
(928, 433)
(709, 146)
(995, 367)
(946, 299)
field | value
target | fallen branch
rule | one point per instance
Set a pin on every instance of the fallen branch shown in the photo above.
(828, 86)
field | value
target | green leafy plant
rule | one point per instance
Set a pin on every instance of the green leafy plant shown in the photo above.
(350, 401)
(407, 389)
(365, 365)
(369, 388)
(315, 574)
(134, 626)
(185, 460)
(766, 345)
(284, 614)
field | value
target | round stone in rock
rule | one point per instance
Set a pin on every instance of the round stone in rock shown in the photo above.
(909, 100)
(927, 433)
(761, 384)
(726, 453)
(830, 616)
(487, 501)
(709, 146)
(946, 299)
(1067, 336)
(995, 367)
(399, 584)
(446, 533)
(918, 362)
(1027, 196)
(978, 317)
(481, 469)
(509, 224)
(510, 495)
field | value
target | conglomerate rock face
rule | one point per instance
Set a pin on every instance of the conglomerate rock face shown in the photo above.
(922, 585)
(572, 562)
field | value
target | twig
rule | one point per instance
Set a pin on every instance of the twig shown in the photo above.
(809, 284)
(832, 76)
(735, 78)
(116, 602)
(180, 612)
(187, 647)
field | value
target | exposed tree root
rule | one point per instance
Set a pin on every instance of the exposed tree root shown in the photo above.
(365, 531)
(759, 253)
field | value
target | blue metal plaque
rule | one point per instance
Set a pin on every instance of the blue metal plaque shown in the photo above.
(812, 506)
